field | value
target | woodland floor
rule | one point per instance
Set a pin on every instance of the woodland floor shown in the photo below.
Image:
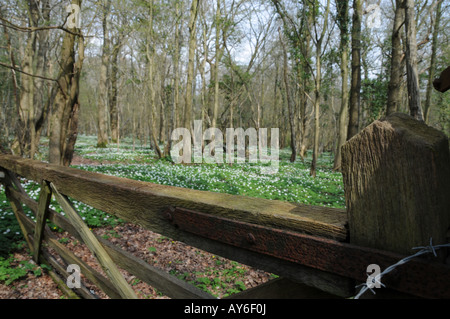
(190, 263)
(171, 256)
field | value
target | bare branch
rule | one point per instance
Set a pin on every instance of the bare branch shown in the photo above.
(33, 75)
(26, 73)
(11, 25)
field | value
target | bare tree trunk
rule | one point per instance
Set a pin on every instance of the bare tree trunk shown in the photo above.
(190, 70)
(27, 100)
(150, 50)
(64, 118)
(176, 80)
(432, 69)
(202, 69)
(412, 74)
(26, 140)
(113, 107)
(395, 82)
(355, 89)
(203, 77)
(301, 44)
(289, 100)
(164, 98)
(42, 93)
(305, 47)
(102, 134)
(304, 98)
(216, 65)
(315, 154)
(19, 127)
(318, 80)
(343, 21)
(176, 63)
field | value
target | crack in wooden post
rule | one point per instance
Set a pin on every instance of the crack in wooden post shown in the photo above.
(94, 246)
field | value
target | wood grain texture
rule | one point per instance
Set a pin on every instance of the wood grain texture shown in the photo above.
(143, 203)
(397, 184)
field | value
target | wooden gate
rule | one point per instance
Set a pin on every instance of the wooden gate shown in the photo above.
(304, 245)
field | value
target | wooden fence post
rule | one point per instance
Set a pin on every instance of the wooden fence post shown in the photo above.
(397, 185)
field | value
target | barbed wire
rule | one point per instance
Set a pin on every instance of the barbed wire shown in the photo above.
(376, 280)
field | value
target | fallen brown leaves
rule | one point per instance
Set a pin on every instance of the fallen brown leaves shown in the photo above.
(219, 275)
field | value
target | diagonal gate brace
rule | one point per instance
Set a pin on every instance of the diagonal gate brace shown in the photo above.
(94, 245)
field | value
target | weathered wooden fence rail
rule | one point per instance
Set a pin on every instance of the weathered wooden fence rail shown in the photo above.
(300, 243)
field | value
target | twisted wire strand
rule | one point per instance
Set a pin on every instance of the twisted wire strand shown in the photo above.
(377, 279)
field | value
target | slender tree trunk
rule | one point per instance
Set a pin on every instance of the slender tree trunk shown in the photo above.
(151, 64)
(163, 101)
(176, 80)
(202, 70)
(289, 100)
(113, 107)
(279, 105)
(432, 69)
(216, 65)
(42, 93)
(318, 81)
(190, 70)
(102, 134)
(355, 89)
(176, 62)
(395, 82)
(27, 105)
(316, 110)
(412, 75)
(343, 17)
(306, 49)
(19, 126)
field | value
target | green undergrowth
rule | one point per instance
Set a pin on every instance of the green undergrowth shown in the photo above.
(12, 269)
(292, 182)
